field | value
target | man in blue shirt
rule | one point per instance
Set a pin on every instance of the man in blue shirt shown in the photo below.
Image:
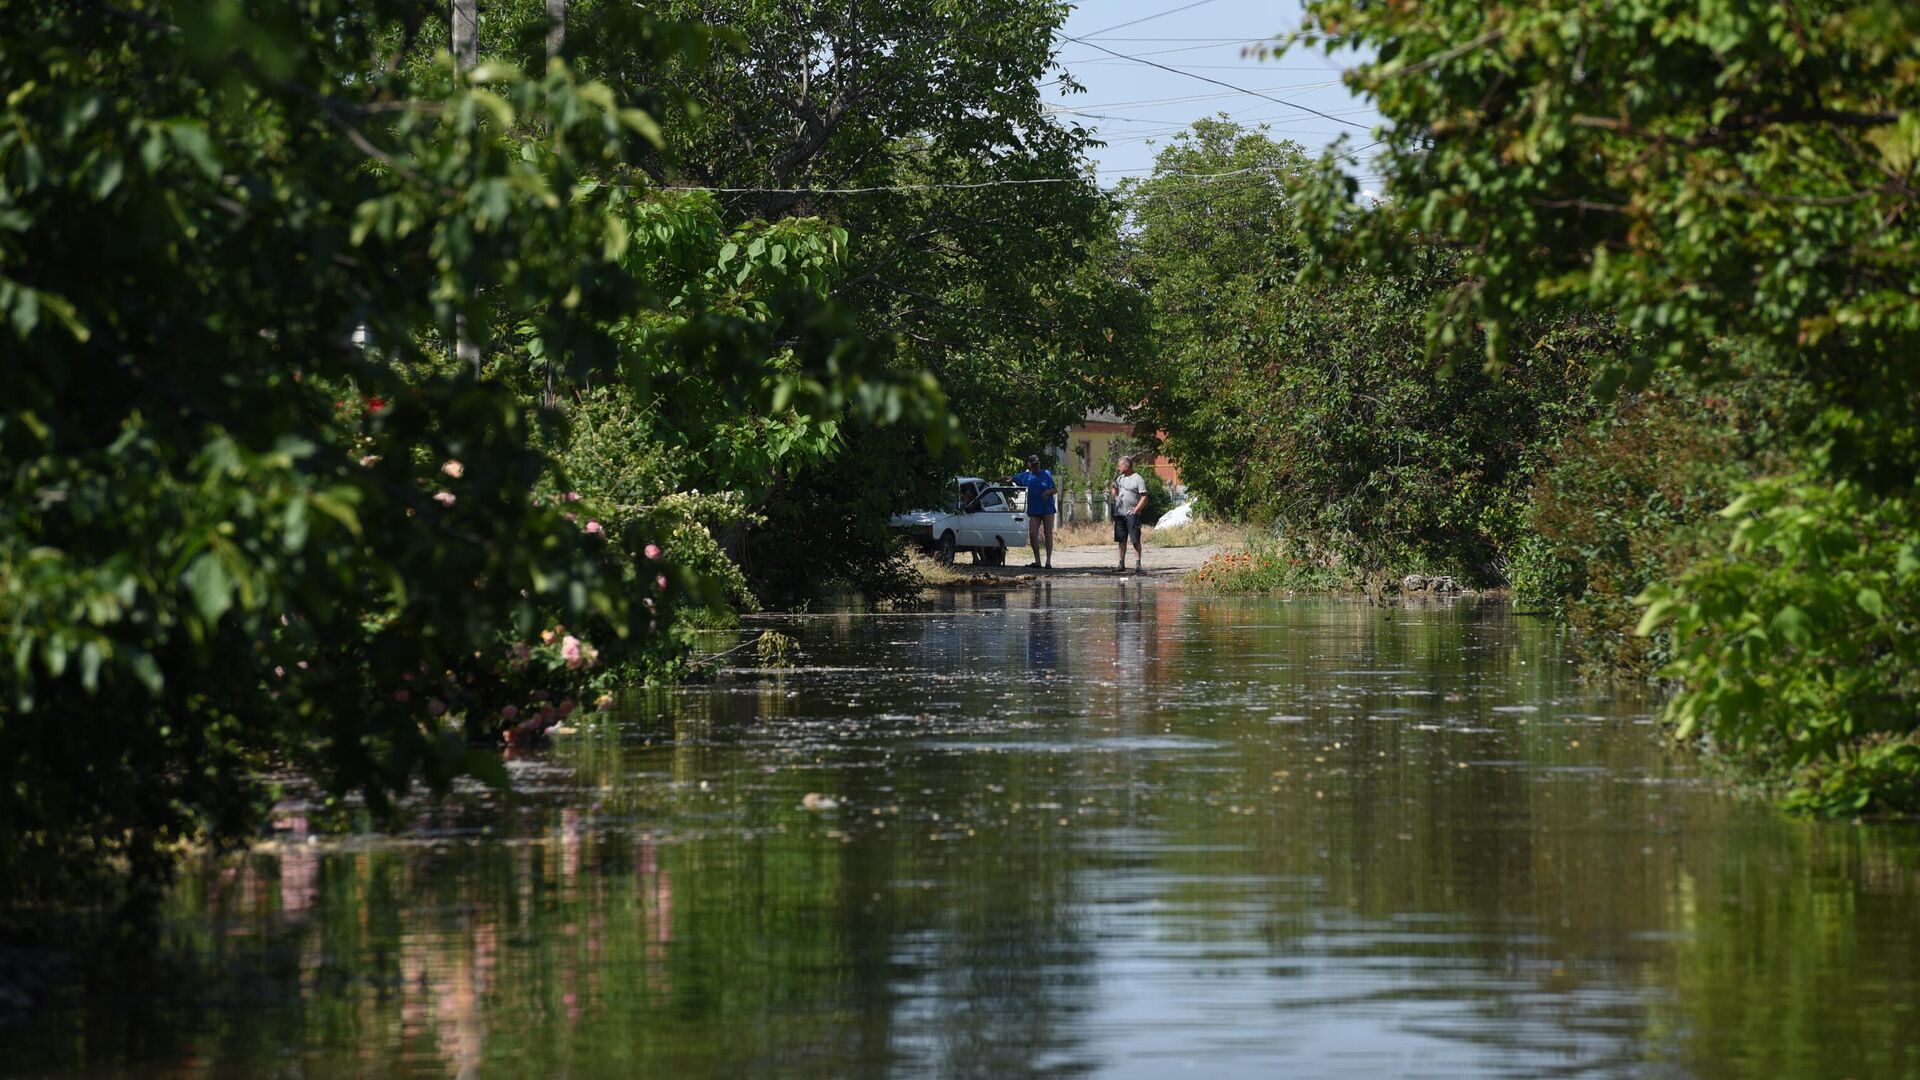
(1040, 488)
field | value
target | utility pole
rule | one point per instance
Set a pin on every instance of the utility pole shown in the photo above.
(464, 20)
(556, 42)
(556, 27)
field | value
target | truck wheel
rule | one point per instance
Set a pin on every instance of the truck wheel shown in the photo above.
(949, 546)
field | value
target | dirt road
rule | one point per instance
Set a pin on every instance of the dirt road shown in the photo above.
(1162, 563)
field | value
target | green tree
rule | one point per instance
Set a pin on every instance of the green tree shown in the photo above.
(1315, 407)
(232, 536)
(1732, 182)
(975, 241)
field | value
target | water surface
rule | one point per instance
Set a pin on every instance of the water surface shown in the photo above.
(1094, 829)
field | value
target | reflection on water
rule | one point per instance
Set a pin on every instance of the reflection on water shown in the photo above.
(1087, 829)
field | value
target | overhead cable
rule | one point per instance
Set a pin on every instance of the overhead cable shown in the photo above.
(1141, 103)
(1216, 82)
(1167, 52)
(971, 185)
(1150, 18)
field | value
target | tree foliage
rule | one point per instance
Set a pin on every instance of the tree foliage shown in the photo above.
(234, 536)
(920, 130)
(1314, 407)
(1733, 182)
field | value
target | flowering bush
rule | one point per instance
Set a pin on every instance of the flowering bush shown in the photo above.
(639, 502)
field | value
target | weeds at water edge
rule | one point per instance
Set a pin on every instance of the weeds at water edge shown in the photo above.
(932, 574)
(1263, 567)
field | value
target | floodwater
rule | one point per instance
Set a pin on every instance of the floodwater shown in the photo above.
(1096, 829)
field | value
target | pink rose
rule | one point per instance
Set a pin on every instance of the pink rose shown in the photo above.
(604, 703)
(546, 637)
(401, 695)
(453, 468)
(566, 708)
(436, 707)
(570, 651)
(661, 581)
(653, 551)
(444, 498)
(509, 713)
(571, 496)
(280, 671)
(568, 517)
(593, 528)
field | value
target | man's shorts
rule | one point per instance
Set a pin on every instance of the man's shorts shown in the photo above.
(1126, 527)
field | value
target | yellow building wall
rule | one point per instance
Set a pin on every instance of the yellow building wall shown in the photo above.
(1086, 458)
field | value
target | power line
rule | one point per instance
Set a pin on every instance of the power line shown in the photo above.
(1209, 67)
(1150, 18)
(969, 185)
(1165, 52)
(1181, 100)
(1167, 134)
(1215, 40)
(1216, 82)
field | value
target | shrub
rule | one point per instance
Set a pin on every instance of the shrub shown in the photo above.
(1629, 500)
(1265, 567)
(1796, 645)
(1318, 407)
(642, 495)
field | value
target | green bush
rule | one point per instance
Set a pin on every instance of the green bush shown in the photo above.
(827, 529)
(1628, 501)
(1730, 184)
(251, 516)
(1318, 408)
(1159, 499)
(641, 494)
(1267, 566)
(1796, 646)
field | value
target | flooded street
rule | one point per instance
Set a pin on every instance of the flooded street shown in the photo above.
(1097, 829)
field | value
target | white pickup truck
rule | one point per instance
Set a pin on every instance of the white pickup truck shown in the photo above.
(985, 518)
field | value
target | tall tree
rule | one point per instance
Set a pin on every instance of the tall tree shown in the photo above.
(993, 287)
(1734, 181)
(232, 536)
(1314, 408)
(973, 238)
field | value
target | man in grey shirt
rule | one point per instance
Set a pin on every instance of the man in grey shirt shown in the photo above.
(1129, 492)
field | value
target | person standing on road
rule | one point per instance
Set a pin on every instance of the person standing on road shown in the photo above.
(1040, 509)
(1129, 493)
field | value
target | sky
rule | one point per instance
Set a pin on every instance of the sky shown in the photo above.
(1135, 107)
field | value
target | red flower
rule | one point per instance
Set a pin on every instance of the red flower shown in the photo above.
(376, 404)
